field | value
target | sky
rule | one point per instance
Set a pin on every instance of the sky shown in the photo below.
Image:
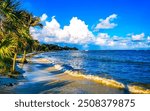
(92, 24)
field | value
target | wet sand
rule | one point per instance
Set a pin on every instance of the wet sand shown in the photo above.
(42, 77)
(80, 85)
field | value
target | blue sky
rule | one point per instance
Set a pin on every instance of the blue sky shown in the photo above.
(101, 24)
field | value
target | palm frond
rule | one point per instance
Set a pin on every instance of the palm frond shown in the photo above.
(7, 47)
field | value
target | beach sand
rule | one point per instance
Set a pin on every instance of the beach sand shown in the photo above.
(80, 85)
(41, 76)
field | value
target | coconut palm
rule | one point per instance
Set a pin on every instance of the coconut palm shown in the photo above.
(15, 28)
(7, 46)
(10, 25)
(8, 28)
(29, 21)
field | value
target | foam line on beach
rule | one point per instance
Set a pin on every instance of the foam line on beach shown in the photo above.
(41, 60)
(104, 81)
(108, 82)
(138, 89)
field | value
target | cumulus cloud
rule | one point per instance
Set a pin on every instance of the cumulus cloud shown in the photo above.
(106, 23)
(105, 40)
(131, 41)
(114, 42)
(77, 32)
(138, 37)
(43, 17)
(51, 29)
(102, 39)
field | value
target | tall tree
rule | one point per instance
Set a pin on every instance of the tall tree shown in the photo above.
(15, 26)
(8, 21)
(29, 21)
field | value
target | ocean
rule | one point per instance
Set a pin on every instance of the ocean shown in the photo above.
(125, 66)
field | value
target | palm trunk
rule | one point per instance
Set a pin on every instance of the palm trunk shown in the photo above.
(24, 57)
(14, 62)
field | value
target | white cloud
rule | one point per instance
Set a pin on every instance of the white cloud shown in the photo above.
(116, 38)
(148, 38)
(43, 17)
(115, 42)
(106, 23)
(51, 29)
(103, 35)
(138, 37)
(35, 33)
(105, 40)
(111, 43)
(101, 39)
(76, 32)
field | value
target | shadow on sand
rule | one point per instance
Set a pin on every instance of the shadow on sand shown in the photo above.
(40, 87)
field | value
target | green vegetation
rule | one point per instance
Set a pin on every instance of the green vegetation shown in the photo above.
(15, 35)
(52, 47)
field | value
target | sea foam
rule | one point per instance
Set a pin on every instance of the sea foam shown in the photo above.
(138, 89)
(104, 81)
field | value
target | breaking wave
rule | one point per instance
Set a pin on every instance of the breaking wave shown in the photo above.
(138, 89)
(133, 88)
(108, 82)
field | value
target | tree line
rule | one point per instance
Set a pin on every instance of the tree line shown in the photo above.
(53, 47)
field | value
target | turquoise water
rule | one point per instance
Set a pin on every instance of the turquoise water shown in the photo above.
(128, 67)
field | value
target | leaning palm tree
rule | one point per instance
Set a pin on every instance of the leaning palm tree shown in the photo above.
(29, 21)
(9, 23)
(7, 46)
(15, 26)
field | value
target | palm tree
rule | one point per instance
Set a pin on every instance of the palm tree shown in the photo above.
(7, 46)
(15, 31)
(8, 26)
(29, 21)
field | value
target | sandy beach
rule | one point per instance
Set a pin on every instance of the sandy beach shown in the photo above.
(81, 85)
(41, 76)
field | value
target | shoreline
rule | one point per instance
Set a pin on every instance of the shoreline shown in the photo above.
(76, 81)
